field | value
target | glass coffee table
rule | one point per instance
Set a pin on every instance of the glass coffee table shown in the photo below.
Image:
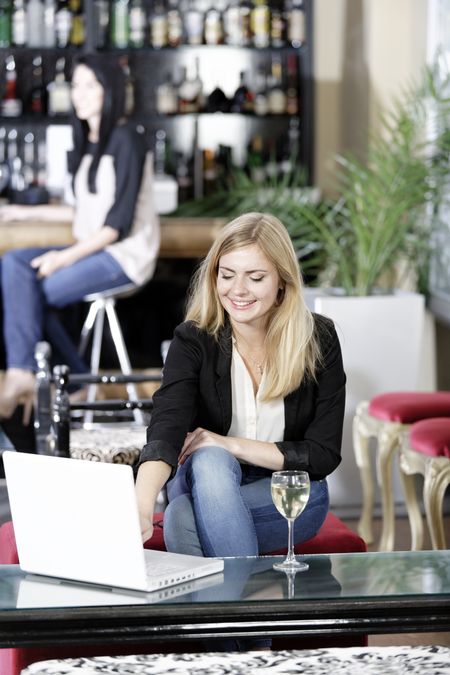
(357, 593)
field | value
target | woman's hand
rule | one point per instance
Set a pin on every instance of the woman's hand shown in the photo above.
(199, 438)
(49, 262)
(146, 522)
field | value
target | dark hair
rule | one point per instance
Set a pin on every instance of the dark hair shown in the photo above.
(112, 78)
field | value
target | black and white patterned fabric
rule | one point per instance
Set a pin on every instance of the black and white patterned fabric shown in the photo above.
(337, 661)
(107, 444)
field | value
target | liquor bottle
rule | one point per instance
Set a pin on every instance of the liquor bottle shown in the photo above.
(167, 97)
(276, 96)
(255, 160)
(4, 168)
(190, 91)
(291, 86)
(245, 15)
(5, 23)
(120, 27)
(290, 148)
(28, 167)
(11, 105)
(231, 24)
(295, 20)
(277, 27)
(193, 23)
(37, 96)
(138, 23)
(77, 31)
(35, 23)
(183, 174)
(174, 24)
(260, 105)
(129, 86)
(49, 23)
(63, 24)
(101, 23)
(18, 23)
(217, 101)
(213, 31)
(158, 26)
(209, 172)
(242, 101)
(260, 24)
(59, 99)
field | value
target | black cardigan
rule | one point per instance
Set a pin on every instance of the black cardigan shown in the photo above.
(196, 392)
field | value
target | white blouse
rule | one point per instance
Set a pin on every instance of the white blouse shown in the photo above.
(250, 417)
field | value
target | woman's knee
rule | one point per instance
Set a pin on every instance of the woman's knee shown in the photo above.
(180, 531)
(212, 462)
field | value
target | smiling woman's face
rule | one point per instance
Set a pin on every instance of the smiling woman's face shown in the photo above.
(87, 93)
(247, 285)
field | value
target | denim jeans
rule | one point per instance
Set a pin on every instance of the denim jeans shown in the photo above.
(218, 507)
(28, 300)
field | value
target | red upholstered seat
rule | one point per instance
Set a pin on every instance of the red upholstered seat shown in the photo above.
(333, 537)
(407, 407)
(431, 437)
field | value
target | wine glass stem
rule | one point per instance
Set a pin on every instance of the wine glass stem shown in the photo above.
(290, 554)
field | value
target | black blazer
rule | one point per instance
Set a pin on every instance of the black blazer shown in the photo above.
(196, 392)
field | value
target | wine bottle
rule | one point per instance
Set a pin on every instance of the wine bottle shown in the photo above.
(5, 23)
(138, 23)
(18, 23)
(242, 101)
(292, 105)
(276, 96)
(174, 24)
(101, 23)
(59, 98)
(295, 19)
(260, 24)
(35, 23)
(190, 91)
(167, 97)
(277, 27)
(158, 26)
(77, 31)
(193, 21)
(11, 105)
(213, 27)
(37, 96)
(49, 23)
(260, 105)
(63, 24)
(120, 27)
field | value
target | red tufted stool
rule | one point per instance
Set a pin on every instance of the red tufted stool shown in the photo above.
(385, 418)
(426, 450)
(333, 537)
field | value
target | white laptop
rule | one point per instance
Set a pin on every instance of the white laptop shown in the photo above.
(78, 520)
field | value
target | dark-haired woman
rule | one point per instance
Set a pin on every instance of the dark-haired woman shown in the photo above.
(114, 225)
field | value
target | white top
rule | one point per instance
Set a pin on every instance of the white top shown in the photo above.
(250, 417)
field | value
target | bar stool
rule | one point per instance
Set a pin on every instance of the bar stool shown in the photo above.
(425, 450)
(385, 418)
(103, 303)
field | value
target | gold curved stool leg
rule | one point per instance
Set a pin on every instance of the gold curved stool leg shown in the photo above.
(362, 456)
(437, 478)
(388, 444)
(407, 473)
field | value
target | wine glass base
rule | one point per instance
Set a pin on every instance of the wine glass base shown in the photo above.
(291, 566)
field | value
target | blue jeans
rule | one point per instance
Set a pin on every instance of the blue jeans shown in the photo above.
(28, 301)
(218, 507)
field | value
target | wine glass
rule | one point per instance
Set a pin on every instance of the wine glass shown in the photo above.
(290, 494)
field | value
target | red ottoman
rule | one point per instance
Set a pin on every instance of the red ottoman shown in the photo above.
(384, 418)
(333, 537)
(426, 451)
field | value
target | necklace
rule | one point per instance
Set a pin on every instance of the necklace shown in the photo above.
(259, 365)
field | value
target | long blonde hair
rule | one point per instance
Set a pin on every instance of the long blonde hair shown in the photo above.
(292, 350)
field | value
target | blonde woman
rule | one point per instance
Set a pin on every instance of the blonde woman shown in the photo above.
(253, 383)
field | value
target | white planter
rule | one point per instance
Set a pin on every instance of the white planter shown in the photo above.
(387, 344)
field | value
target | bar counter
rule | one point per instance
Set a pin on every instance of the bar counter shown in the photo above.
(180, 237)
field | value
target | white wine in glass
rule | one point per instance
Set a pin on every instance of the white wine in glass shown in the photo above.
(290, 494)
